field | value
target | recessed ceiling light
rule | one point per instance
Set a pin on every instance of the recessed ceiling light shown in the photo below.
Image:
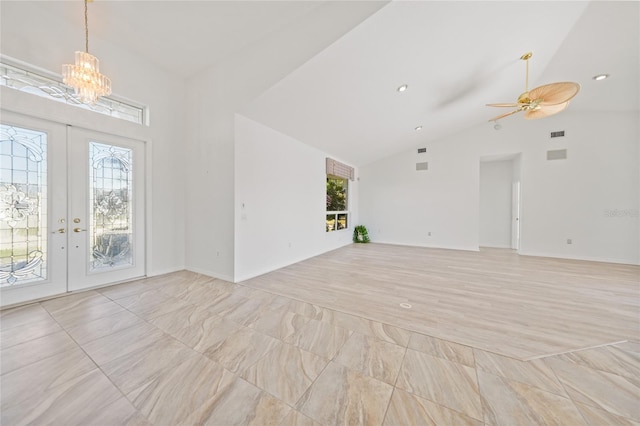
(418, 128)
(402, 88)
(600, 77)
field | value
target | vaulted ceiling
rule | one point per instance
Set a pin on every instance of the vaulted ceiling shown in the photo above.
(454, 56)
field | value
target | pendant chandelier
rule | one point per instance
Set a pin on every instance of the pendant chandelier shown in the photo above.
(84, 76)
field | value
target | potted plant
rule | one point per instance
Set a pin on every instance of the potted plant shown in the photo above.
(360, 234)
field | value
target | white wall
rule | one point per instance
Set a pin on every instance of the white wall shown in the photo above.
(280, 201)
(495, 203)
(214, 96)
(26, 33)
(591, 198)
(400, 205)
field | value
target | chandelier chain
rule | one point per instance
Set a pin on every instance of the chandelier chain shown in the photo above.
(86, 28)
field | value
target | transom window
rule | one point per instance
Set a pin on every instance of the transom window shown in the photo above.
(38, 84)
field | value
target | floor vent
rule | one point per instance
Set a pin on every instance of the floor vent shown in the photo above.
(422, 150)
(558, 154)
(422, 166)
(558, 134)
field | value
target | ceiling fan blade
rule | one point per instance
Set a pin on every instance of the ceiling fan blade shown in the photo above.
(505, 115)
(545, 111)
(511, 105)
(554, 93)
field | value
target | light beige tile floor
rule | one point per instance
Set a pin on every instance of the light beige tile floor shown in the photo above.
(188, 349)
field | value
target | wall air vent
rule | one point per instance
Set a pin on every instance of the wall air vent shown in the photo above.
(422, 150)
(558, 134)
(422, 166)
(558, 154)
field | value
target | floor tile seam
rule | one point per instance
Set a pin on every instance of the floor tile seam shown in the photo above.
(78, 305)
(244, 370)
(483, 404)
(271, 393)
(198, 323)
(439, 404)
(458, 366)
(164, 334)
(25, 305)
(388, 324)
(97, 367)
(628, 352)
(152, 316)
(471, 348)
(138, 315)
(398, 327)
(511, 379)
(34, 338)
(305, 318)
(325, 307)
(313, 382)
(144, 309)
(570, 351)
(580, 365)
(302, 331)
(562, 383)
(117, 331)
(573, 403)
(116, 298)
(164, 369)
(395, 382)
(221, 343)
(212, 397)
(45, 395)
(62, 328)
(44, 358)
(239, 377)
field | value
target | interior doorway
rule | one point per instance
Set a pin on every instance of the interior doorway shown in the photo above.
(500, 201)
(72, 212)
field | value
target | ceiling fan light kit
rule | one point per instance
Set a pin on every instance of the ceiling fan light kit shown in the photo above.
(542, 101)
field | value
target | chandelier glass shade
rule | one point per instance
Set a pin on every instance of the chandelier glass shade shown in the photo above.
(84, 76)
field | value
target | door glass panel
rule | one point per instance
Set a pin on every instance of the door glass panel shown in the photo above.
(23, 206)
(111, 210)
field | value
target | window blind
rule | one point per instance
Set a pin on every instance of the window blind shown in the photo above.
(336, 168)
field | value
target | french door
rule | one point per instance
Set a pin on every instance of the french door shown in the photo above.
(71, 208)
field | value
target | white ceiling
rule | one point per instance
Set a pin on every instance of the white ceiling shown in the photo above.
(455, 57)
(183, 37)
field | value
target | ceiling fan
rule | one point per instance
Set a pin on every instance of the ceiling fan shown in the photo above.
(542, 101)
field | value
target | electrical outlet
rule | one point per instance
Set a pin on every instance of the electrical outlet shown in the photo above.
(569, 241)
(429, 233)
(217, 254)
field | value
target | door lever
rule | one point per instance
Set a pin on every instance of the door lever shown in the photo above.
(78, 230)
(59, 231)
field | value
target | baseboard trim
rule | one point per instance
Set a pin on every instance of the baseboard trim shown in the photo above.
(433, 246)
(211, 274)
(245, 277)
(582, 258)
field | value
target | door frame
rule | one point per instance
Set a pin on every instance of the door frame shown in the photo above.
(515, 224)
(516, 190)
(80, 276)
(40, 108)
(56, 185)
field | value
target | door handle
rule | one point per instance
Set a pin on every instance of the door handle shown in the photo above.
(60, 231)
(78, 229)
